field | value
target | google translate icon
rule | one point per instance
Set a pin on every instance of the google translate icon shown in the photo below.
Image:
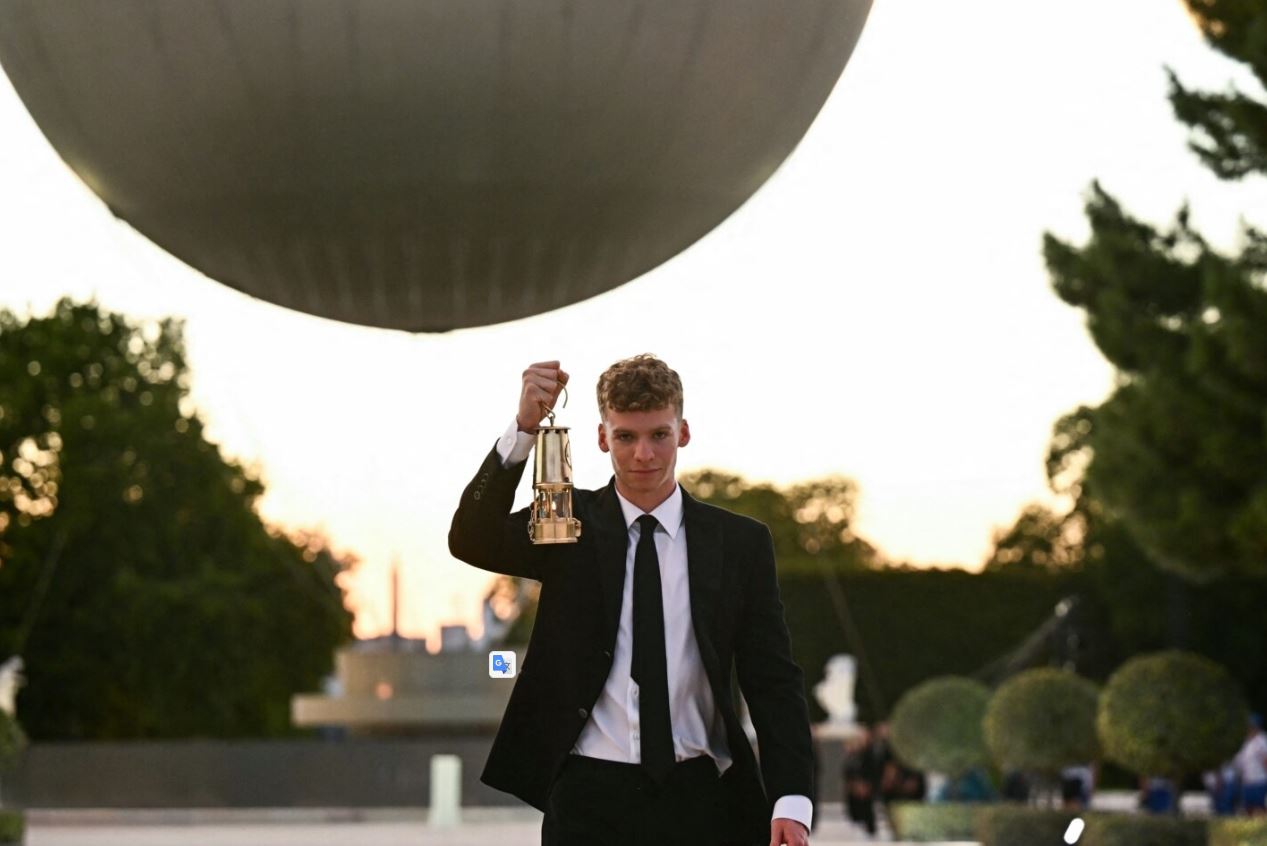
(501, 665)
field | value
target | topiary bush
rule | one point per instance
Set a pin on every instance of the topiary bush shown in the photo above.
(921, 822)
(1252, 832)
(12, 826)
(937, 725)
(1017, 825)
(1171, 714)
(1141, 830)
(1041, 721)
(12, 740)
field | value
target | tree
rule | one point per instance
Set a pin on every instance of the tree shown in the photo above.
(1040, 539)
(937, 725)
(136, 577)
(1177, 449)
(808, 519)
(1171, 714)
(1041, 721)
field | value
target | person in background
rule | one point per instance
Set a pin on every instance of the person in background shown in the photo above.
(1156, 795)
(1077, 783)
(1223, 788)
(1251, 768)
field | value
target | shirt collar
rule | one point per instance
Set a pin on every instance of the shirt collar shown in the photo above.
(668, 513)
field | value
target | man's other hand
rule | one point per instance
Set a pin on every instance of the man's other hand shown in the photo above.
(542, 384)
(789, 832)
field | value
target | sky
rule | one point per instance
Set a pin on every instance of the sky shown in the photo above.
(878, 309)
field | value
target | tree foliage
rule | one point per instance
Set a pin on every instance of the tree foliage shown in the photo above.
(1176, 451)
(1041, 721)
(136, 577)
(1171, 714)
(938, 725)
(1040, 539)
(811, 518)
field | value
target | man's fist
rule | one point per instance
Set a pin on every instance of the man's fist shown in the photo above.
(542, 384)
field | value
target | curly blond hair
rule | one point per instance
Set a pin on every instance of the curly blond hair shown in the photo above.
(640, 383)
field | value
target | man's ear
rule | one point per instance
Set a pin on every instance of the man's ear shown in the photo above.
(684, 434)
(602, 437)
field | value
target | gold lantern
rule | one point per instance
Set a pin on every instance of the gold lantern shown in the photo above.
(551, 520)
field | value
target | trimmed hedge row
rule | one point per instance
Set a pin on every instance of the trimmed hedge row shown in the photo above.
(922, 822)
(1018, 825)
(1142, 830)
(12, 826)
(1238, 832)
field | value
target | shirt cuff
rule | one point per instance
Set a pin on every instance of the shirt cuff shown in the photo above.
(515, 446)
(798, 808)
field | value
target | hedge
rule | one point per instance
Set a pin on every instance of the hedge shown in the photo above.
(1020, 825)
(1142, 830)
(924, 822)
(12, 826)
(1241, 832)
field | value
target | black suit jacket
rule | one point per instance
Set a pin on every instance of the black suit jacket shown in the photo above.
(736, 614)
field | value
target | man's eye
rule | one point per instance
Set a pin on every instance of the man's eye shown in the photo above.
(659, 436)
(624, 437)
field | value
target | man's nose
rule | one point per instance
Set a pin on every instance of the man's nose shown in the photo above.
(642, 451)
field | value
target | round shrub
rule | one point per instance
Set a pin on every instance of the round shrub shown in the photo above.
(1171, 714)
(1018, 825)
(1142, 830)
(1042, 721)
(937, 725)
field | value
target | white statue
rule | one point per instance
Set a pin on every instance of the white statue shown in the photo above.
(10, 680)
(835, 692)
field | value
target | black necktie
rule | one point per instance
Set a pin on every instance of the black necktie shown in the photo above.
(648, 666)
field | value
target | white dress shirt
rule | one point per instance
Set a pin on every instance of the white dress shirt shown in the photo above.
(612, 730)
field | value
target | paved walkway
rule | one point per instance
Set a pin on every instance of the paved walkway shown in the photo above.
(320, 827)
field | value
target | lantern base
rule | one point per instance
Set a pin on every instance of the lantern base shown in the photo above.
(561, 530)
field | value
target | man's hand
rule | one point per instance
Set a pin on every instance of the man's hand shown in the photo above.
(790, 832)
(542, 384)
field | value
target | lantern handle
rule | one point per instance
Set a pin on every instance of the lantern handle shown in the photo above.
(549, 409)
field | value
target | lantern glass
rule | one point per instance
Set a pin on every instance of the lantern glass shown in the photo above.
(552, 520)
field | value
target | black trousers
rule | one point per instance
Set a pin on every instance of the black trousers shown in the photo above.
(607, 803)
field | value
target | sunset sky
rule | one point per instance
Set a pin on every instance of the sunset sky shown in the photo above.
(878, 309)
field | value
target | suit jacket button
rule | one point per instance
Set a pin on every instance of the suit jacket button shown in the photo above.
(582, 713)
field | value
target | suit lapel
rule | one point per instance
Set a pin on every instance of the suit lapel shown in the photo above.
(611, 538)
(704, 566)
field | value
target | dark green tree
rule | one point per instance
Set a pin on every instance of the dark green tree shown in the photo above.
(1040, 539)
(136, 576)
(1177, 450)
(808, 520)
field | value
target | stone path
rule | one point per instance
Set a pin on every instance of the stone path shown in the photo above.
(319, 827)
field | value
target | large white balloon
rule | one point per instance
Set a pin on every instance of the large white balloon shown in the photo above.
(425, 164)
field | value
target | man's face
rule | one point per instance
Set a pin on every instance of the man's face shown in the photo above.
(643, 446)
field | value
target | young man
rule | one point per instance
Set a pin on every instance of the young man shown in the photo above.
(622, 726)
